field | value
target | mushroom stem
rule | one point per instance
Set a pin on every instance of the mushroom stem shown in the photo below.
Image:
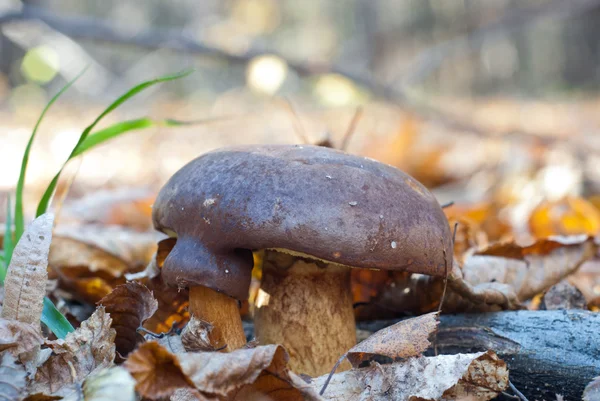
(309, 311)
(223, 313)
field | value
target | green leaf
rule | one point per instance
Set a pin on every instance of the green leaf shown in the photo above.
(19, 216)
(7, 245)
(55, 320)
(45, 201)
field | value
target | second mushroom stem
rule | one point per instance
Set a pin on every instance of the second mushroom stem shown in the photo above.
(223, 313)
(309, 311)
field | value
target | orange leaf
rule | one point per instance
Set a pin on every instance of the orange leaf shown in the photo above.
(568, 216)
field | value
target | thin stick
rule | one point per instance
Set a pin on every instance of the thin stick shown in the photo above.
(352, 127)
(446, 269)
(298, 127)
(337, 365)
(517, 392)
(445, 205)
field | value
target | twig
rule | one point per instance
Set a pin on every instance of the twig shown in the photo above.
(298, 128)
(351, 128)
(516, 391)
(446, 269)
(445, 205)
(337, 364)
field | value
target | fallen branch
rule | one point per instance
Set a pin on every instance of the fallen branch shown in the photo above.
(547, 352)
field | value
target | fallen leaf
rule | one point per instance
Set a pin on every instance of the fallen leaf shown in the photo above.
(563, 296)
(129, 306)
(134, 247)
(186, 394)
(481, 376)
(238, 375)
(196, 336)
(404, 339)
(531, 269)
(12, 378)
(87, 349)
(25, 283)
(587, 280)
(157, 371)
(123, 206)
(592, 391)
(88, 272)
(568, 216)
(18, 337)
(115, 384)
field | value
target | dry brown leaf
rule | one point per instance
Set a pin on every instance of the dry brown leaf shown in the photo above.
(592, 391)
(587, 280)
(195, 336)
(563, 296)
(532, 269)
(186, 394)
(124, 206)
(134, 247)
(87, 349)
(157, 371)
(12, 378)
(481, 376)
(129, 306)
(25, 283)
(404, 339)
(18, 338)
(238, 375)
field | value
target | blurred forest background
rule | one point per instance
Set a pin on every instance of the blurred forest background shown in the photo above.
(482, 101)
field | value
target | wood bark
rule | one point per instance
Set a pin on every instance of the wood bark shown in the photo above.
(547, 352)
(309, 311)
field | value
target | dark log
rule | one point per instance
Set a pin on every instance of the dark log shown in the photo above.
(547, 352)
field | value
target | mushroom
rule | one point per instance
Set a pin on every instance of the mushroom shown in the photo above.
(317, 212)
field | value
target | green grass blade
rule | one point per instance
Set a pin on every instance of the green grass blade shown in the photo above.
(122, 127)
(45, 200)
(19, 216)
(7, 245)
(55, 320)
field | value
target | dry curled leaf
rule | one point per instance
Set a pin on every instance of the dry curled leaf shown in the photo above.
(592, 391)
(157, 371)
(18, 338)
(532, 269)
(196, 336)
(129, 306)
(481, 376)
(25, 283)
(404, 339)
(238, 375)
(12, 378)
(82, 352)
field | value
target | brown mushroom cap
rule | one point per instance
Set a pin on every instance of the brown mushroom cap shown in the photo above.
(322, 202)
